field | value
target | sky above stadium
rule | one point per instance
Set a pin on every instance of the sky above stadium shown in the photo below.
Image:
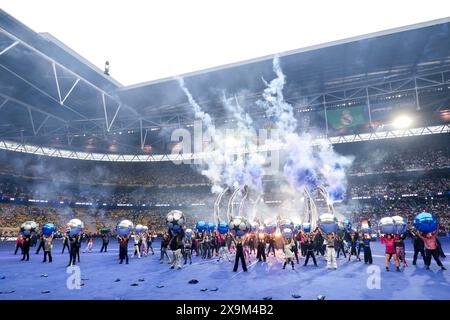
(148, 40)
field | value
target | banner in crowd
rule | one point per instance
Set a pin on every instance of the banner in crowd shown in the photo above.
(347, 117)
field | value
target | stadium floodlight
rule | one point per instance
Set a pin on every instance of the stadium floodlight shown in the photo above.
(402, 121)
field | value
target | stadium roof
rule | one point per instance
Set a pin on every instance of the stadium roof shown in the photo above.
(48, 90)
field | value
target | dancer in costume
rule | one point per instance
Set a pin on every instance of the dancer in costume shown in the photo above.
(65, 243)
(389, 241)
(309, 247)
(137, 241)
(353, 241)
(164, 248)
(431, 249)
(123, 248)
(288, 253)
(105, 242)
(48, 248)
(26, 248)
(418, 244)
(400, 249)
(223, 249)
(367, 251)
(19, 244)
(239, 254)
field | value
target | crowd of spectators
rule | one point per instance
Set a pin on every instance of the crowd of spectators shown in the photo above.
(12, 216)
(201, 195)
(403, 187)
(371, 158)
(155, 188)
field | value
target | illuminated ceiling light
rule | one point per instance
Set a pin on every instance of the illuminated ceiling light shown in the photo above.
(402, 122)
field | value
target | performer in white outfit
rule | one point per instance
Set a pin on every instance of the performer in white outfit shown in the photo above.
(143, 248)
(137, 239)
(331, 252)
(288, 253)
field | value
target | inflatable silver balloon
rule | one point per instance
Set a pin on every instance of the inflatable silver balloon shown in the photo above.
(306, 226)
(254, 226)
(387, 225)
(188, 234)
(270, 225)
(287, 233)
(28, 227)
(175, 220)
(328, 223)
(239, 226)
(124, 227)
(74, 227)
(400, 224)
(285, 223)
(139, 228)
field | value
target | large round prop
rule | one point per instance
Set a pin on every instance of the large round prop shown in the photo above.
(222, 227)
(28, 227)
(287, 233)
(48, 229)
(74, 227)
(270, 226)
(400, 225)
(175, 220)
(254, 226)
(211, 226)
(124, 227)
(239, 226)
(139, 229)
(285, 223)
(365, 226)
(347, 224)
(306, 227)
(188, 234)
(387, 225)
(328, 223)
(426, 222)
(201, 226)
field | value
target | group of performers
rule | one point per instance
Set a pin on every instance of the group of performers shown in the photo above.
(178, 248)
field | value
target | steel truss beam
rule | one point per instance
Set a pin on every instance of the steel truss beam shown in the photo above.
(78, 155)
(54, 64)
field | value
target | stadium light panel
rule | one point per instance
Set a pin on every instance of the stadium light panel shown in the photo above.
(402, 122)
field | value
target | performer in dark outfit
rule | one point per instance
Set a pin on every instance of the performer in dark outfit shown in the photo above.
(261, 250)
(309, 246)
(66, 243)
(340, 246)
(73, 241)
(418, 245)
(123, 248)
(105, 242)
(41, 243)
(367, 251)
(26, 248)
(271, 245)
(239, 255)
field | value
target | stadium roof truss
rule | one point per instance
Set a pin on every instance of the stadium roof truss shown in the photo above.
(188, 157)
(48, 90)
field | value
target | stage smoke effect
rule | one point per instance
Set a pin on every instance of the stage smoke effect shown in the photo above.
(305, 167)
(253, 171)
(276, 108)
(332, 168)
(224, 168)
